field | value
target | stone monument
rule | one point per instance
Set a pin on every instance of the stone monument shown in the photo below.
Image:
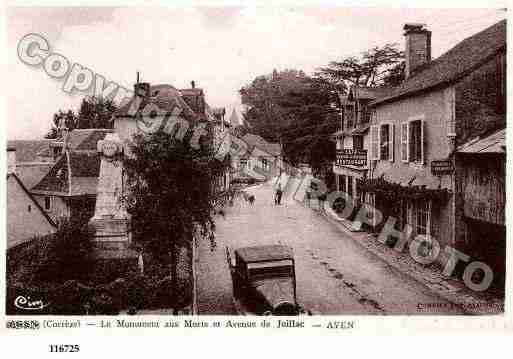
(111, 220)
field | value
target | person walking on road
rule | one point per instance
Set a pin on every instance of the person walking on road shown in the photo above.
(277, 197)
(308, 195)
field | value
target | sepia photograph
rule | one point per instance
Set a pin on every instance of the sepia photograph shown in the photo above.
(254, 161)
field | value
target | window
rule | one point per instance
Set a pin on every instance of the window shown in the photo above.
(412, 141)
(265, 164)
(366, 115)
(357, 142)
(422, 225)
(415, 141)
(386, 141)
(419, 217)
(48, 203)
(29, 208)
(404, 142)
(350, 185)
(374, 147)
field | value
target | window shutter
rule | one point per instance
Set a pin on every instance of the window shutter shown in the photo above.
(404, 142)
(374, 142)
(422, 142)
(391, 149)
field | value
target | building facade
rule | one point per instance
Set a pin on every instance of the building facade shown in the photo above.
(416, 176)
(26, 219)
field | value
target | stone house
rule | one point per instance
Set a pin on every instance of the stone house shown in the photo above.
(352, 139)
(26, 219)
(151, 107)
(69, 188)
(262, 160)
(416, 129)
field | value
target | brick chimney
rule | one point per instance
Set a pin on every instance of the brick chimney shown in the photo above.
(11, 160)
(417, 48)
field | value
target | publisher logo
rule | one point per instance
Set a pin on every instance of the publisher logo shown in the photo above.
(27, 303)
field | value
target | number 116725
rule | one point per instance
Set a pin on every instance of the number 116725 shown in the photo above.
(64, 348)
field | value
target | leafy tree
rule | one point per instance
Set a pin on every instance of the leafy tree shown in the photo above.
(70, 121)
(379, 66)
(171, 194)
(94, 112)
(298, 110)
(66, 255)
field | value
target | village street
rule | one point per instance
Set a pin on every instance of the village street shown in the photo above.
(335, 275)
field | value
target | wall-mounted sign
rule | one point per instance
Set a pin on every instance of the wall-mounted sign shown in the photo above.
(441, 167)
(352, 157)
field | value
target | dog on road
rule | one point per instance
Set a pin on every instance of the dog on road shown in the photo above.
(251, 199)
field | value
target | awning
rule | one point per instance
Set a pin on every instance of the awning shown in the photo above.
(495, 143)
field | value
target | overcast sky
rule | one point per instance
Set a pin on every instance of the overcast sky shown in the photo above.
(220, 48)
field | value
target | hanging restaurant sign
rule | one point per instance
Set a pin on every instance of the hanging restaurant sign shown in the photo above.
(442, 167)
(352, 157)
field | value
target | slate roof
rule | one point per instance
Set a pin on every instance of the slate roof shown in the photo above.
(454, 64)
(257, 141)
(165, 97)
(494, 143)
(32, 172)
(27, 150)
(88, 140)
(74, 174)
(368, 93)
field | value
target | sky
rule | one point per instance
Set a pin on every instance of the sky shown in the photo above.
(221, 49)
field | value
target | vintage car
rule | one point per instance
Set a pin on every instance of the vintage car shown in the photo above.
(264, 280)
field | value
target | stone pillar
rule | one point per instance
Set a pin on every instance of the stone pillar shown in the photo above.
(111, 220)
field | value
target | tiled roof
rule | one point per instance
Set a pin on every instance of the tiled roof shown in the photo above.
(454, 64)
(494, 143)
(74, 174)
(369, 93)
(165, 97)
(27, 150)
(257, 141)
(83, 139)
(89, 142)
(32, 172)
(56, 180)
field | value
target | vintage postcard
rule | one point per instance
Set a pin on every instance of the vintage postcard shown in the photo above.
(320, 168)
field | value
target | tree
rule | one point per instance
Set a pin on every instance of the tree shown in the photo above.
(94, 112)
(297, 110)
(379, 66)
(171, 194)
(66, 255)
(68, 118)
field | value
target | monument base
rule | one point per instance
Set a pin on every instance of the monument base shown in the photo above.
(111, 233)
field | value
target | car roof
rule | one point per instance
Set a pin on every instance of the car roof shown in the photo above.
(264, 253)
